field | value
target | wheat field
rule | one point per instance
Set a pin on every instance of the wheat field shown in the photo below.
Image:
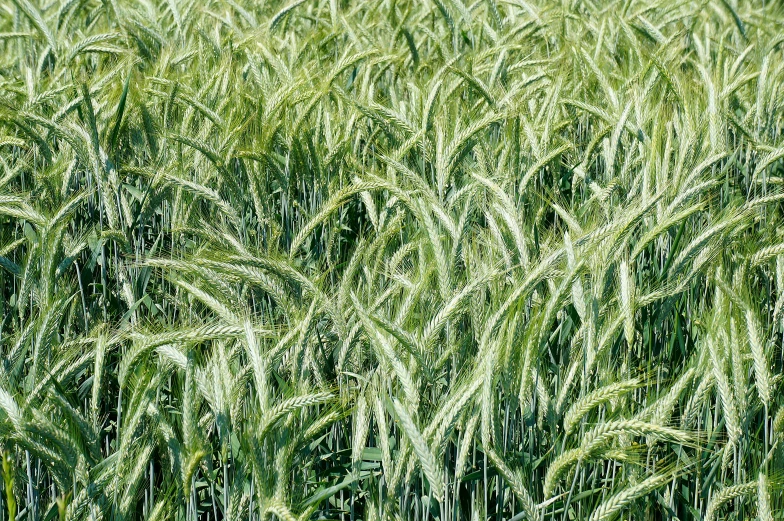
(397, 260)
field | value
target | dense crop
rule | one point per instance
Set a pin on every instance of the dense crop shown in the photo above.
(391, 260)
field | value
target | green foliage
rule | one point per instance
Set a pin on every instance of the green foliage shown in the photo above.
(391, 260)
